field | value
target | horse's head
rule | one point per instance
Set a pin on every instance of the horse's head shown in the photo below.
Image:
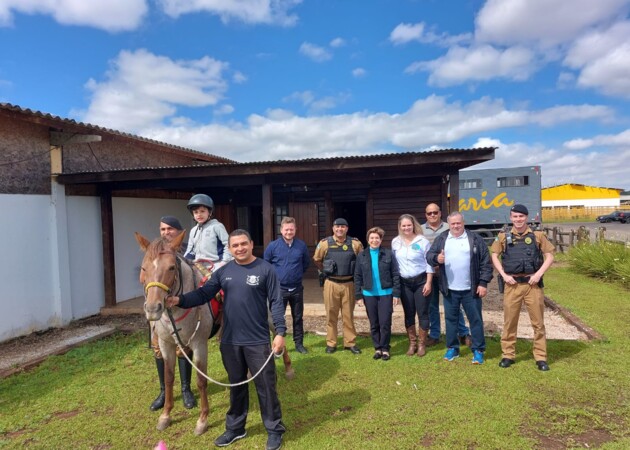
(158, 272)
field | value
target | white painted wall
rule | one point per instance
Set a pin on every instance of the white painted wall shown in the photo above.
(25, 265)
(86, 255)
(31, 274)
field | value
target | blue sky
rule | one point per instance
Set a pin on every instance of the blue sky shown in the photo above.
(546, 81)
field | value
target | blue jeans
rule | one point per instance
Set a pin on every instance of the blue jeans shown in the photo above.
(434, 313)
(453, 303)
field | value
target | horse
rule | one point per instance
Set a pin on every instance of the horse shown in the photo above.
(163, 273)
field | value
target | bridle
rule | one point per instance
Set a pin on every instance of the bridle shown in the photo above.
(164, 287)
(175, 332)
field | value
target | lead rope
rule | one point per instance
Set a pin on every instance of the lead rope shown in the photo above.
(181, 347)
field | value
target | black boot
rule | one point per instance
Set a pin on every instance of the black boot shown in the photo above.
(158, 403)
(185, 373)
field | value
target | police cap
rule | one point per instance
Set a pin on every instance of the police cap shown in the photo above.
(522, 209)
(340, 221)
(171, 221)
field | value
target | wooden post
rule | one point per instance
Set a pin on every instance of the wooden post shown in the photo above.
(369, 210)
(107, 232)
(267, 212)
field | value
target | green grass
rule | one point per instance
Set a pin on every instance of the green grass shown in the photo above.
(97, 396)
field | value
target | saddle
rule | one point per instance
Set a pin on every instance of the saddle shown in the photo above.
(203, 272)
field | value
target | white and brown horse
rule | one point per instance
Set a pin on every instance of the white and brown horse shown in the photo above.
(164, 273)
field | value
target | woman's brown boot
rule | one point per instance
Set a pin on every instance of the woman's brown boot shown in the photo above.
(411, 334)
(422, 340)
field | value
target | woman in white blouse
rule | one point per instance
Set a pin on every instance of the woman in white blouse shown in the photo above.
(410, 248)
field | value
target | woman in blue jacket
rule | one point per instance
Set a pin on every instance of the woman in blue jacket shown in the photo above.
(377, 285)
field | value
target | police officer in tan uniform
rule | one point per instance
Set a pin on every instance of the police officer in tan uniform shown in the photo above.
(335, 257)
(522, 257)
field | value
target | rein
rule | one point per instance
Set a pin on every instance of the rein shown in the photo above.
(178, 338)
(230, 385)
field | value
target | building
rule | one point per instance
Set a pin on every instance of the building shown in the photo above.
(580, 196)
(73, 194)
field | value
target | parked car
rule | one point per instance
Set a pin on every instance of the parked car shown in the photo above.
(615, 216)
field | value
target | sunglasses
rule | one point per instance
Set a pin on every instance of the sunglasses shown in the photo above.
(433, 213)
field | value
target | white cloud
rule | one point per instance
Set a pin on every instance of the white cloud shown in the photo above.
(407, 32)
(359, 72)
(273, 12)
(316, 105)
(337, 42)
(603, 56)
(238, 77)
(609, 140)
(111, 15)
(433, 121)
(142, 89)
(559, 165)
(544, 23)
(515, 38)
(565, 80)
(315, 52)
(478, 64)
(223, 110)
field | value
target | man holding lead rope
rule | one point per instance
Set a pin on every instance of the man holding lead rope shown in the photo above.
(247, 282)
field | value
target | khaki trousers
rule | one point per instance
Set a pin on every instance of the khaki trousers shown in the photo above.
(513, 298)
(339, 296)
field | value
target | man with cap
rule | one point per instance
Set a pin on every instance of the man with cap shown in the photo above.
(522, 256)
(169, 228)
(335, 257)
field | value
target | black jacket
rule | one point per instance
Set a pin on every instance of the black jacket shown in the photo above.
(480, 265)
(387, 271)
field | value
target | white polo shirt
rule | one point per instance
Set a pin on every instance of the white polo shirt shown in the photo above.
(457, 262)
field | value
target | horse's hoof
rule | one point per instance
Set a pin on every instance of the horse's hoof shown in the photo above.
(201, 428)
(163, 423)
(290, 374)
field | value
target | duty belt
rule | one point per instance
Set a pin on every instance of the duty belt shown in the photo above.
(341, 280)
(521, 279)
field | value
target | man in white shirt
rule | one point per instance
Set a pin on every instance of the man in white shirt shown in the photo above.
(431, 229)
(466, 270)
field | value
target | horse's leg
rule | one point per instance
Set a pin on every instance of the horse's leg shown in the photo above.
(288, 368)
(201, 361)
(169, 377)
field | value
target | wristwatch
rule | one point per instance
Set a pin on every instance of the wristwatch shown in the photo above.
(281, 333)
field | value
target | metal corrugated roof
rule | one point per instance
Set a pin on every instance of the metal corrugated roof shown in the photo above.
(353, 158)
(71, 122)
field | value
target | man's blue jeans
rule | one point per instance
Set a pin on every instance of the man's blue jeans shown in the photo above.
(453, 303)
(434, 314)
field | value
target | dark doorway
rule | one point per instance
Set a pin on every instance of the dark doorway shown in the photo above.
(354, 213)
